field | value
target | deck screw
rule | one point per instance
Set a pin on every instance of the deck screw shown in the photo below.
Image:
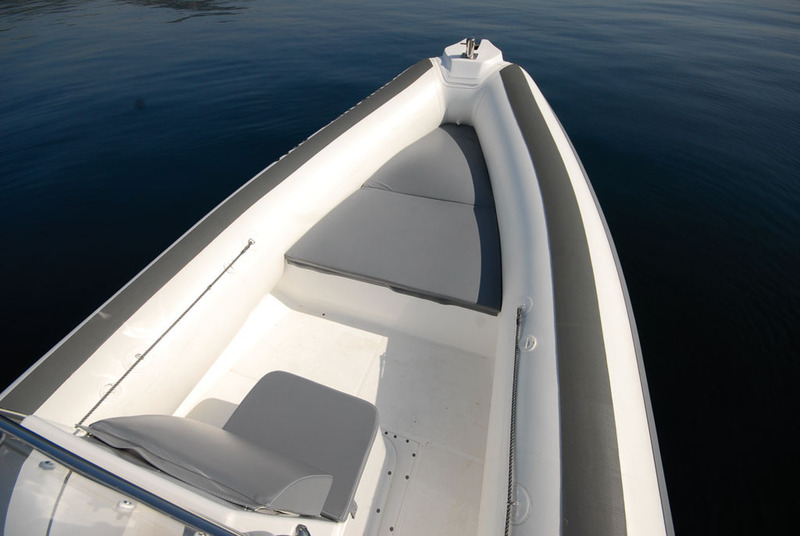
(125, 505)
(47, 465)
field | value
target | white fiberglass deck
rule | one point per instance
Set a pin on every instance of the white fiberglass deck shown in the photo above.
(433, 398)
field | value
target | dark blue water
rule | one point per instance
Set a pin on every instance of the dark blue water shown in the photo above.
(123, 122)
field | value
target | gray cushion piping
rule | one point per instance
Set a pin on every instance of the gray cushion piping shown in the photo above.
(395, 192)
(194, 474)
(159, 462)
(408, 291)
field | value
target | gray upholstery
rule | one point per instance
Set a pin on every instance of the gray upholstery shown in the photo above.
(447, 164)
(219, 462)
(423, 224)
(314, 424)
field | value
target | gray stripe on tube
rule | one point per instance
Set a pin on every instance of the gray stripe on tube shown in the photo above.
(592, 500)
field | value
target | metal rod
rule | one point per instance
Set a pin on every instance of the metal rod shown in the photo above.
(470, 53)
(140, 357)
(510, 503)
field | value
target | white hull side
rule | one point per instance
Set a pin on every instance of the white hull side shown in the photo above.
(254, 314)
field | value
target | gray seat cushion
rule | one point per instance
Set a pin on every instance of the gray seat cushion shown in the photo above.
(446, 164)
(314, 424)
(424, 224)
(219, 462)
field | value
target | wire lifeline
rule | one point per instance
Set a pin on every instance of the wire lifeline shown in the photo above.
(140, 357)
(510, 502)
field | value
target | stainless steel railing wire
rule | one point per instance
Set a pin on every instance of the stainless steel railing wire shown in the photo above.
(140, 357)
(510, 500)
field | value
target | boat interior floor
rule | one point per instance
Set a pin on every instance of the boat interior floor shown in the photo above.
(432, 399)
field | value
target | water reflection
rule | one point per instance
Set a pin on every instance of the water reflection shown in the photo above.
(9, 10)
(16, 8)
(193, 8)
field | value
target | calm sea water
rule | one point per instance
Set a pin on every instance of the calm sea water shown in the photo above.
(123, 122)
